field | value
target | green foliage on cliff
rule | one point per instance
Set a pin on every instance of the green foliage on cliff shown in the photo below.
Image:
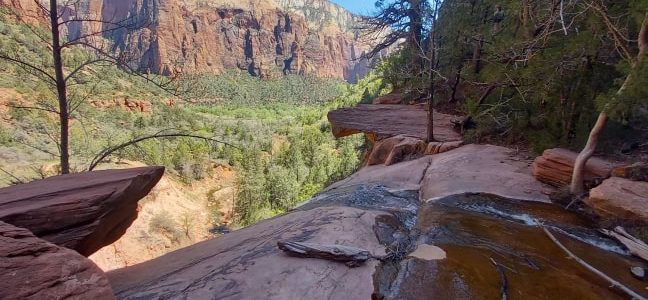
(549, 81)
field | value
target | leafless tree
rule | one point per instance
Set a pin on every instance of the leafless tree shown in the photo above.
(58, 17)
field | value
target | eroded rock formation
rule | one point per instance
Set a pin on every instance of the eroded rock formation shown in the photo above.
(393, 211)
(620, 198)
(555, 167)
(82, 211)
(261, 37)
(33, 268)
(383, 121)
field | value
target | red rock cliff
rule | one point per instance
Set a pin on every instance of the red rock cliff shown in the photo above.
(261, 37)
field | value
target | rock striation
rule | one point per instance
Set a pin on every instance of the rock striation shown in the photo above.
(398, 213)
(555, 167)
(33, 268)
(82, 211)
(266, 38)
(383, 121)
(620, 198)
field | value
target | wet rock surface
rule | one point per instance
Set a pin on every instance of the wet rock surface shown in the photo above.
(83, 211)
(476, 230)
(424, 244)
(32, 268)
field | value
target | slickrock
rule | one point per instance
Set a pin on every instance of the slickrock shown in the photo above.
(247, 264)
(555, 167)
(33, 268)
(383, 121)
(621, 199)
(83, 211)
(480, 169)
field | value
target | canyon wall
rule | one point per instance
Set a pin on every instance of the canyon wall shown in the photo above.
(265, 38)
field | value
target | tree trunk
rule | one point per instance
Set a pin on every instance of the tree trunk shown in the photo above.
(61, 89)
(587, 152)
(429, 136)
(577, 187)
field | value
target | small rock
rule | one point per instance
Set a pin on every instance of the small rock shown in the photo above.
(639, 273)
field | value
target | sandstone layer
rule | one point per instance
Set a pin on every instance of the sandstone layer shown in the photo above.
(33, 268)
(555, 167)
(82, 211)
(386, 210)
(620, 198)
(265, 38)
(382, 121)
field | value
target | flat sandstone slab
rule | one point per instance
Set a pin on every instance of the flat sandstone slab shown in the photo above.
(247, 264)
(82, 211)
(390, 120)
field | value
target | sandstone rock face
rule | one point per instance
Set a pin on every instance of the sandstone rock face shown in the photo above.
(637, 171)
(381, 209)
(621, 198)
(83, 211)
(383, 121)
(555, 167)
(36, 269)
(223, 267)
(262, 37)
(395, 149)
(480, 169)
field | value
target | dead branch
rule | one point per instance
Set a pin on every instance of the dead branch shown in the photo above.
(613, 282)
(108, 151)
(351, 256)
(635, 245)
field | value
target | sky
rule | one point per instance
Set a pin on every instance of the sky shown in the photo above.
(357, 6)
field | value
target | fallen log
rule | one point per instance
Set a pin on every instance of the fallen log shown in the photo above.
(636, 246)
(351, 256)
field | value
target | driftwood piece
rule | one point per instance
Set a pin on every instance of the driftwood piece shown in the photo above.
(635, 245)
(351, 256)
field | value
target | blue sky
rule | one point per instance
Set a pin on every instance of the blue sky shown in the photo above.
(357, 6)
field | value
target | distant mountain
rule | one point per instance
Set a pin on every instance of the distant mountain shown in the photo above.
(261, 37)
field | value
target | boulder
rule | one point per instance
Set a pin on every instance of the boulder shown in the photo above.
(637, 171)
(440, 147)
(82, 211)
(395, 149)
(391, 98)
(555, 167)
(620, 198)
(33, 268)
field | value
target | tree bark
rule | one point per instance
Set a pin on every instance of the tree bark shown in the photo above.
(587, 152)
(61, 89)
